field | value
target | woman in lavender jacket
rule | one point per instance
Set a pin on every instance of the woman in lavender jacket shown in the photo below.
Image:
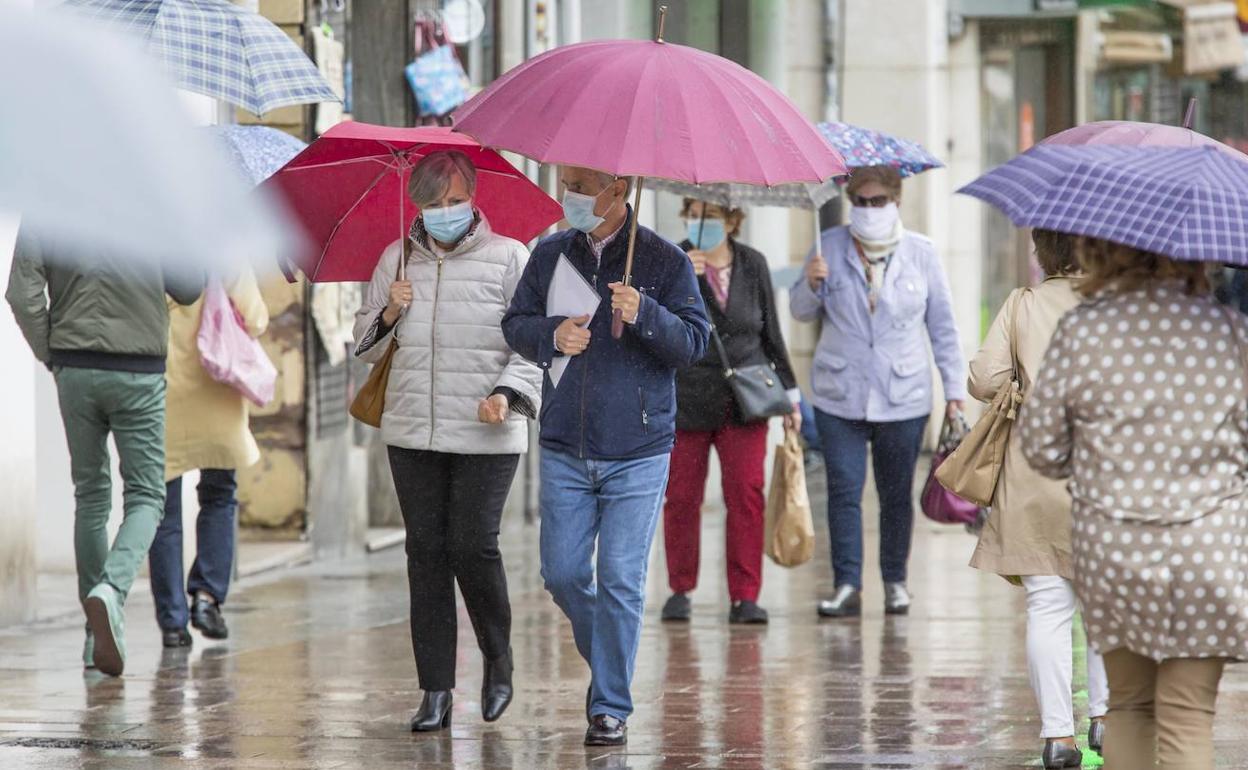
(879, 293)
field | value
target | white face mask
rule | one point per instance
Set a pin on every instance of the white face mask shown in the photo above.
(870, 224)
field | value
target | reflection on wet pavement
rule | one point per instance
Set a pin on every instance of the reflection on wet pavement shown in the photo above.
(319, 674)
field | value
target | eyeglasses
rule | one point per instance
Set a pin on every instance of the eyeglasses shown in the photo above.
(874, 202)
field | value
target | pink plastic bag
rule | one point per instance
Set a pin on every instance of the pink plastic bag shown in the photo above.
(228, 353)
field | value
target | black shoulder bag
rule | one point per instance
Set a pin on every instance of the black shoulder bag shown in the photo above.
(757, 387)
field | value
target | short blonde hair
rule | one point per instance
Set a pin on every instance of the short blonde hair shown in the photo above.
(432, 176)
(1120, 268)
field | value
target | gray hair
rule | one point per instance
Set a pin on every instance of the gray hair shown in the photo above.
(432, 176)
(606, 180)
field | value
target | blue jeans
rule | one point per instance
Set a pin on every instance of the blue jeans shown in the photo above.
(214, 558)
(616, 502)
(810, 429)
(894, 454)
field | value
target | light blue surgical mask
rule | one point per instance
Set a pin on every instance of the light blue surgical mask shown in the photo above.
(578, 209)
(449, 223)
(706, 234)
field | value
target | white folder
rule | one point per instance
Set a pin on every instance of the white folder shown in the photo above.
(572, 296)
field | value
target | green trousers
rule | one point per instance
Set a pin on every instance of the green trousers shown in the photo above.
(131, 407)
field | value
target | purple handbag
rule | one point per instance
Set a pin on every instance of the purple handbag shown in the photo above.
(939, 504)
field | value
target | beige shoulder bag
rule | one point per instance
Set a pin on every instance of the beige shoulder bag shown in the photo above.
(973, 469)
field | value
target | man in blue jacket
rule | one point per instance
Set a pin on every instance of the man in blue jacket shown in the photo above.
(607, 430)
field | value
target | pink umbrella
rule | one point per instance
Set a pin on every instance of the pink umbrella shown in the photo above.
(650, 109)
(349, 191)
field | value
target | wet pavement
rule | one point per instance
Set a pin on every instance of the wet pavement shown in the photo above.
(319, 674)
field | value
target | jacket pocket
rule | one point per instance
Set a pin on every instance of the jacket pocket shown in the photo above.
(829, 380)
(645, 416)
(909, 380)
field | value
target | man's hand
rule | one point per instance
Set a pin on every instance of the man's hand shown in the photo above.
(570, 338)
(625, 299)
(953, 409)
(698, 258)
(493, 410)
(816, 272)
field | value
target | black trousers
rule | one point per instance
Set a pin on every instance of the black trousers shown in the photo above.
(452, 505)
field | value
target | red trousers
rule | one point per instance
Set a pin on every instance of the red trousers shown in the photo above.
(742, 450)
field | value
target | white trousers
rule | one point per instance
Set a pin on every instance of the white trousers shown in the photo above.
(1051, 606)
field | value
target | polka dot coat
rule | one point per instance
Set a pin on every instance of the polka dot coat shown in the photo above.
(1140, 402)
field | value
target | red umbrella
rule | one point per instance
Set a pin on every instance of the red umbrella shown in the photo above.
(349, 191)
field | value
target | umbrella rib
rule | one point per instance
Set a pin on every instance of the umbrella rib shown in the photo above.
(338, 225)
(388, 162)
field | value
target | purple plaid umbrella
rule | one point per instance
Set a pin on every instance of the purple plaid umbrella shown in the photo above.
(1188, 203)
(1136, 134)
(863, 147)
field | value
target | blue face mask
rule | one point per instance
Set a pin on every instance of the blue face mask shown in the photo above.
(578, 209)
(448, 224)
(706, 234)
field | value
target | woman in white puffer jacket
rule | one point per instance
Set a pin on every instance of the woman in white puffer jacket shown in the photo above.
(454, 422)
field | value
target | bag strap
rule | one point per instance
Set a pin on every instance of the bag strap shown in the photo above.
(723, 352)
(1014, 363)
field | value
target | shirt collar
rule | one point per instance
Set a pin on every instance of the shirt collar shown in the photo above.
(598, 247)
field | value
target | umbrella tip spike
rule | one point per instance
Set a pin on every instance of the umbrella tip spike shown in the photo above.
(662, 20)
(1190, 115)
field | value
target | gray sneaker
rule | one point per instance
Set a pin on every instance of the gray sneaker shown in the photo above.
(896, 599)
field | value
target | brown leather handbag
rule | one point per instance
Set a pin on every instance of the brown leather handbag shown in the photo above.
(370, 400)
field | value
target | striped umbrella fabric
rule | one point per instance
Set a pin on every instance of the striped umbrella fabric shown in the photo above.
(219, 50)
(1189, 203)
(865, 147)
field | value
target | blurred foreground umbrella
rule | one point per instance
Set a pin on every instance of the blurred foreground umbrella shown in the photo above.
(1135, 134)
(1189, 203)
(349, 190)
(258, 151)
(646, 108)
(864, 147)
(217, 49)
(96, 151)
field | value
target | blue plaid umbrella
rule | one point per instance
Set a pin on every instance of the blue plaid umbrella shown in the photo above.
(217, 49)
(258, 151)
(864, 147)
(1188, 203)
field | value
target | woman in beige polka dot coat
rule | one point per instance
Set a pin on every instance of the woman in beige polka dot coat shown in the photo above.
(1140, 403)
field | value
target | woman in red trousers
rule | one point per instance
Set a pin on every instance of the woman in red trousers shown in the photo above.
(736, 287)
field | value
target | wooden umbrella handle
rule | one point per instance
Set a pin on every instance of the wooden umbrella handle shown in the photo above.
(617, 316)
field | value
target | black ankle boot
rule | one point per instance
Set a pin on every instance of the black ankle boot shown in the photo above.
(496, 689)
(435, 712)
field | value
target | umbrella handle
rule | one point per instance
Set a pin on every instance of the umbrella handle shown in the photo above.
(617, 316)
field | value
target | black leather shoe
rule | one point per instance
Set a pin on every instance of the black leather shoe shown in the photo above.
(179, 637)
(606, 731)
(845, 602)
(206, 616)
(1058, 755)
(747, 613)
(496, 689)
(1096, 735)
(677, 608)
(896, 599)
(435, 712)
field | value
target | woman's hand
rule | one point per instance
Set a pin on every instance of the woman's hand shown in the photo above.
(698, 258)
(400, 297)
(793, 420)
(953, 409)
(493, 410)
(816, 272)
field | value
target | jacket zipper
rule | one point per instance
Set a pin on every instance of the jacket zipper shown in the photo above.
(645, 418)
(585, 382)
(433, 357)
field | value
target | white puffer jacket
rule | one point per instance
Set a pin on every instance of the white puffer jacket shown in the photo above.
(451, 349)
